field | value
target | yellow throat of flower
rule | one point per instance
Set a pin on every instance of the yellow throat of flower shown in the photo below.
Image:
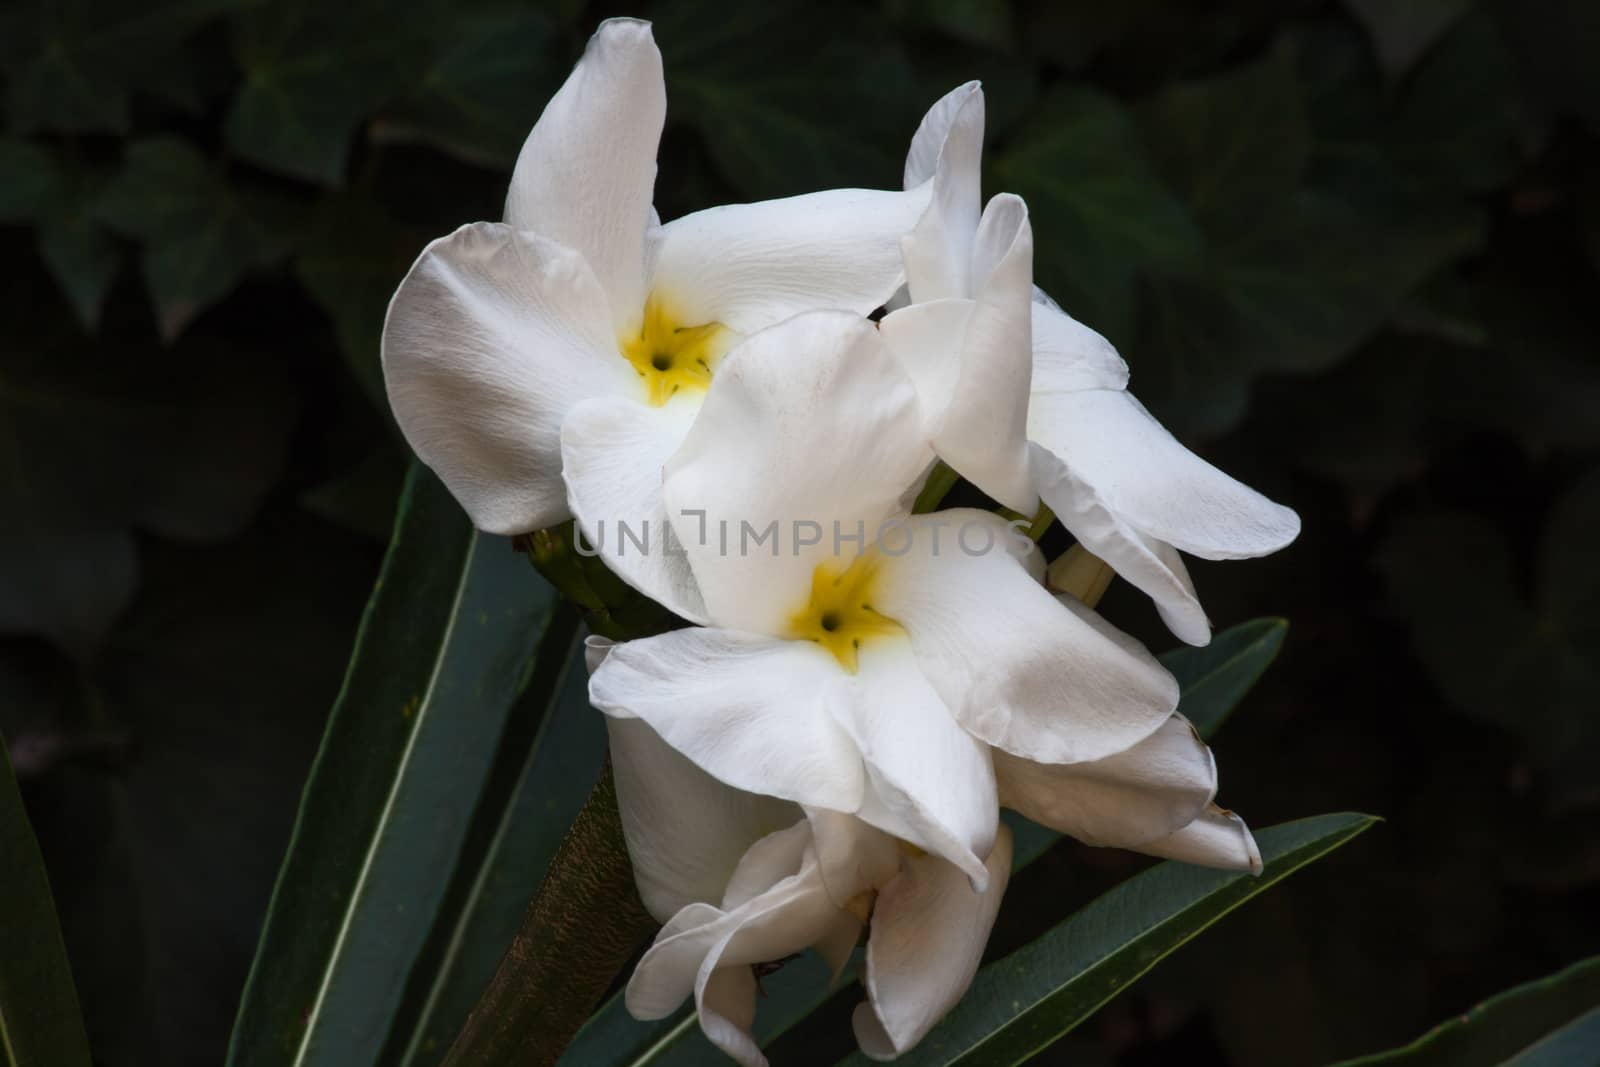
(672, 357)
(840, 616)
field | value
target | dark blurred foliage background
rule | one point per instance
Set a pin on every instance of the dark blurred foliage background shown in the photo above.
(1349, 250)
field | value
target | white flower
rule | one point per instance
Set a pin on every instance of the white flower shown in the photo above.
(741, 880)
(1021, 398)
(582, 327)
(860, 659)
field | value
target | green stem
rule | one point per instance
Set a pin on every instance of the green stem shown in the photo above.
(577, 934)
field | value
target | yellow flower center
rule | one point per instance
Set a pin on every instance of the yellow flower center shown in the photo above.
(672, 357)
(840, 616)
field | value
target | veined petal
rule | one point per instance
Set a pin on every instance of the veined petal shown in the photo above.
(586, 172)
(749, 266)
(929, 929)
(1217, 838)
(686, 831)
(1151, 566)
(930, 782)
(938, 252)
(613, 450)
(491, 339)
(748, 710)
(809, 427)
(1141, 473)
(1067, 355)
(928, 142)
(1043, 680)
(1153, 789)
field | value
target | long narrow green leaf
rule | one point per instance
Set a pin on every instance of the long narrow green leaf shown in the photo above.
(40, 1024)
(1025, 1002)
(1218, 676)
(447, 642)
(1501, 1027)
(1214, 679)
(556, 772)
(1574, 1045)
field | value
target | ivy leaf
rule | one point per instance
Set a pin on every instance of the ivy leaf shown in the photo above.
(1102, 215)
(71, 62)
(351, 261)
(483, 91)
(1401, 33)
(1525, 661)
(97, 441)
(775, 93)
(1232, 144)
(40, 190)
(312, 72)
(201, 234)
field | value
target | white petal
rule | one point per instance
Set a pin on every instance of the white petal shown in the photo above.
(808, 428)
(1044, 680)
(972, 363)
(1068, 356)
(686, 831)
(929, 929)
(613, 450)
(1151, 566)
(1141, 473)
(1149, 791)
(491, 339)
(586, 172)
(853, 857)
(701, 941)
(767, 862)
(938, 252)
(927, 340)
(983, 434)
(931, 783)
(748, 710)
(926, 144)
(727, 1006)
(749, 266)
(1218, 838)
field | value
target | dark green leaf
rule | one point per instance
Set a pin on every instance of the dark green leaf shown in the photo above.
(1102, 214)
(776, 93)
(40, 1025)
(1214, 679)
(448, 640)
(83, 259)
(1462, 116)
(201, 234)
(95, 440)
(484, 89)
(1525, 663)
(351, 262)
(27, 180)
(72, 61)
(1231, 145)
(1401, 32)
(1506, 1028)
(1022, 1004)
(987, 23)
(312, 72)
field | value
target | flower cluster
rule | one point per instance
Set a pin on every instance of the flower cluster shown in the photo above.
(825, 750)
